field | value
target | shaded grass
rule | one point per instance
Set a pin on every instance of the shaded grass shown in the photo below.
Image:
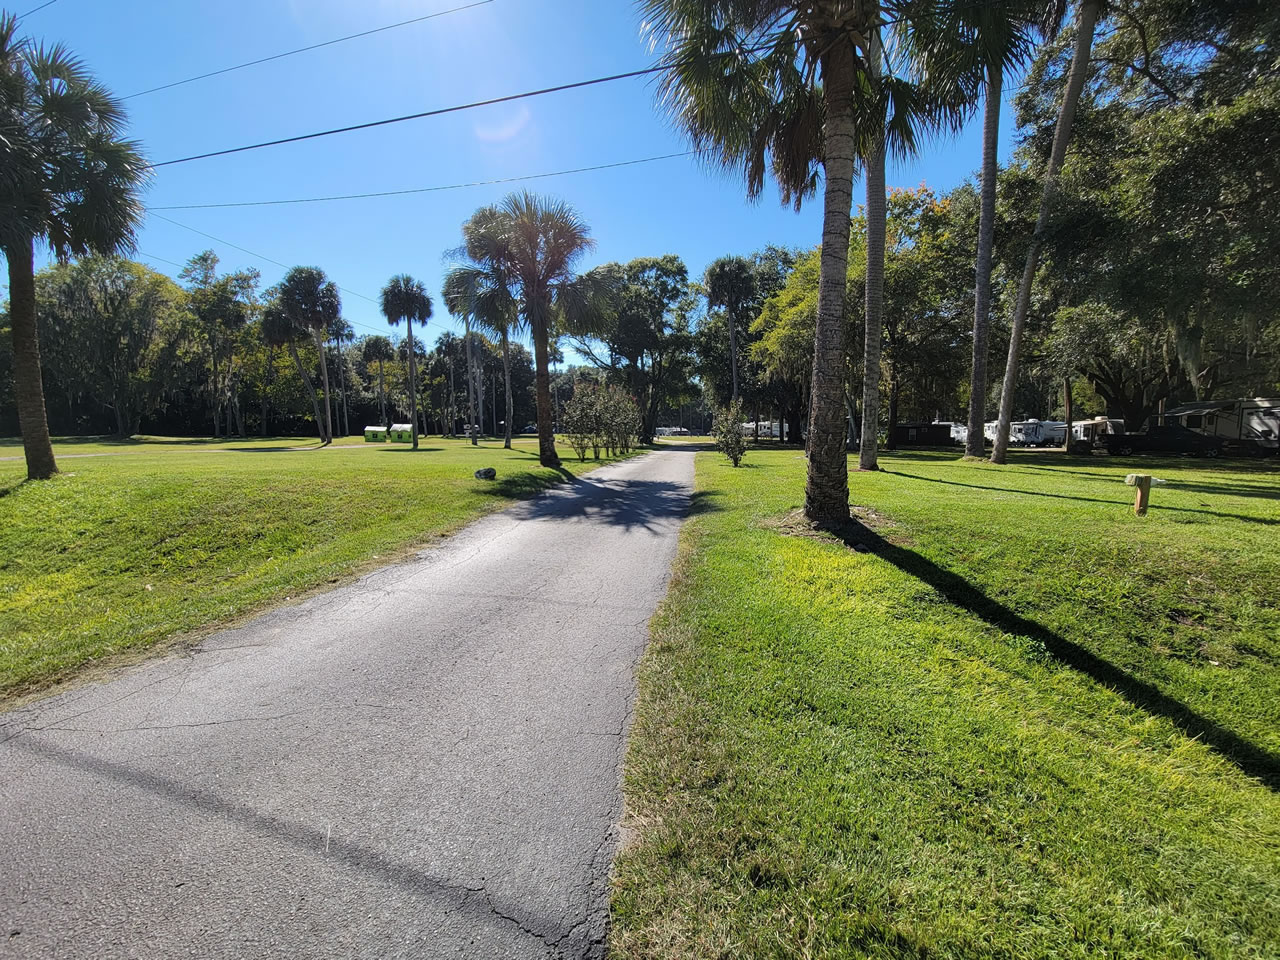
(941, 746)
(119, 552)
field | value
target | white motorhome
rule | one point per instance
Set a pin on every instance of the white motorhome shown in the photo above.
(1246, 425)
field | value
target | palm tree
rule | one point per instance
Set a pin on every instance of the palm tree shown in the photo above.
(984, 40)
(311, 302)
(482, 283)
(342, 332)
(730, 282)
(279, 330)
(404, 298)
(538, 242)
(742, 79)
(378, 349)
(66, 178)
(1088, 20)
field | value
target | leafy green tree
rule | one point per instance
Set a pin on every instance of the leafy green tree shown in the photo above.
(122, 327)
(730, 283)
(280, 329)
(67, 178)
(643, 339)
(404, 298)
(378, 350)
(222, 306)
(311, 301)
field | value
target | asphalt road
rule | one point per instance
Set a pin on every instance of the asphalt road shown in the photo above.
(421, 764)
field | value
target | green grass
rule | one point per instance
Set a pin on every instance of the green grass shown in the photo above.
(1021, 723)
(120, 552)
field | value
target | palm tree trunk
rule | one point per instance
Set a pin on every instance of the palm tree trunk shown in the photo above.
(382, 393)
(731, 315)
(506, 376)
(413, 383)
(875, 290)
(266, 387)
(826, 492)
(1061, 137)
(542, 387)
(311, 387)
(28, 388)
(471, 385)
(973, 446)
(324, 381)
(342, 379)
(1067, 412)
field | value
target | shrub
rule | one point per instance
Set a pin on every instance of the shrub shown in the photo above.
(600, 418)
(727, 431)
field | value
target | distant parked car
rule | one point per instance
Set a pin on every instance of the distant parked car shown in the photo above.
(530, 428)
(1162, 438)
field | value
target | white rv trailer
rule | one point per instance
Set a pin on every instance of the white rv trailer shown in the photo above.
(1037, 433)
(1248, 424)
(1091, 430)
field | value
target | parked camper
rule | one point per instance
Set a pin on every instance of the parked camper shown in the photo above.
(1037, 433)
(1086, 434)
(1248, 425)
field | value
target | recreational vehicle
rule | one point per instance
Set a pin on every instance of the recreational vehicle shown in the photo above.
(1037, 433)
(1245, 425)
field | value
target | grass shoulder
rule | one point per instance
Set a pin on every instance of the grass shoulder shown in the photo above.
(883, 752)
(119, 554)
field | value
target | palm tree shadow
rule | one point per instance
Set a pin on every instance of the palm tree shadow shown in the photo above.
(1252, 759)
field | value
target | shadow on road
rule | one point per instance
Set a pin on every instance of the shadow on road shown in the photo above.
(1249, 757)
(317, 844)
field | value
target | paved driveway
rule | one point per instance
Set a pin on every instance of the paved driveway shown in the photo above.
(421, 764)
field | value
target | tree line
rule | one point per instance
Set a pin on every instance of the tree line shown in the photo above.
(1136, 266)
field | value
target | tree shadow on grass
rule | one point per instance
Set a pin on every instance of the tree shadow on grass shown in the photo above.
(1250, 758)
(1155, 507)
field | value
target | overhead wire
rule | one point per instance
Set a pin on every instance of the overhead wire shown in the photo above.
(290, 53)
(416, 190)
(23, 16)
(409, 116)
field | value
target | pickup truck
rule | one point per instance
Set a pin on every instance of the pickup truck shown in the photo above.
(1161, 438)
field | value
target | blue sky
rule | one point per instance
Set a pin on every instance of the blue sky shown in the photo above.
(498, 48)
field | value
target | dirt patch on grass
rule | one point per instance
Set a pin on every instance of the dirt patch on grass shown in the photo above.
(862, 519)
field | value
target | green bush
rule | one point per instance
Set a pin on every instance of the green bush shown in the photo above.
(601, 418)
(727, 431)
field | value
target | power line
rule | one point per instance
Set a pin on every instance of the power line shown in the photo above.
(451, 186)
(260, 256)
(410, 116)
(37, 9)
(290, 53)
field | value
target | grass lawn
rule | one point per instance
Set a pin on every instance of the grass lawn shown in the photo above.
(119, 552)
(1014, 721)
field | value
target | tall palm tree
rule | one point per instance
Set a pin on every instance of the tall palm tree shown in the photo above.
(67, 178)
(279, 330)
(539, 243)
(311, 302)
(484, 286)
(730, 282)
(404, 298)
(1090, 10)
(379, 350)
(983, 40)
(787, 86)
